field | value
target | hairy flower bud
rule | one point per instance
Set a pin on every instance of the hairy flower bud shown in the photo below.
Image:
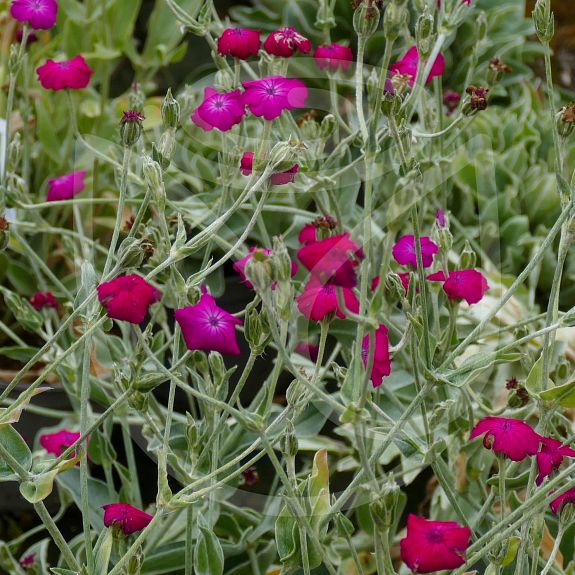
(131, 127)
(290, 444)
(259, 271)
(281, 261)
(394, 19)
(284, 154)
(544, 21)
(328, 126)
(325, 19)
(424, 36)
(153, 175)
(256, 330)
(468, 257)
(366, 19)
(170, 111)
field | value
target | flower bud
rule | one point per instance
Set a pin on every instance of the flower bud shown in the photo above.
(15, 152)
(138, 401)
(468, 257)
(170, 111)
(280, 261)
(148, 382)
(217, 367)
(13, 60)
(130, 252)
(394, 19)
(131, 127)
(325, 19)
(153, 175)
(328, 126)
(424, 36)
(383, 510)
(390, 104)
(565, 120)
(309, 127)
(4, 233)
(366, 19)
(290, 443)
(259, 271)
(283, 298)
(256, 330)
(295, 393)
(544, 21)
(193, 433)
(284, 154)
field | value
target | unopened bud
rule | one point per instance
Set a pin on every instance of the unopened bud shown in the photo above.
(424, 36)
(544, 21)
(393, 21)
(130, 252)
(258, 270)
(131, 127)
(366, 19)
(290, 443)
(390, 104)
(256, 330)
(153, 175)
(15, 152)
(468, 257)
(193, 433)
(217, 367)
(170, 111)
(328, 125)
(284, 154)
(281, 261)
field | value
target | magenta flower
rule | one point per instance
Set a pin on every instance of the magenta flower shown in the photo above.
(57, 443)
(66, 187)
(240, 43)
(277, 179)
(407, 66)
(551, 457)
(207, 327)
(320, 300)
(451, 100)
(307, 349)
(512, 437)
(558, 503)
(270, 96)
(28, 561)
(308, 234)
(381, 361)
(285, 42)
(333, 56)
(127, 518)
(221, 110)
(40, 14)
(240, 265)
(469, 285)
(434, 545)
(71, 74)
(42, 299)
(333, 259)
(128, 298)
(440, 218)
(405, 254)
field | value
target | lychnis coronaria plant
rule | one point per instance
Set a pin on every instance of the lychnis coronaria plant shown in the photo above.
(285, 289)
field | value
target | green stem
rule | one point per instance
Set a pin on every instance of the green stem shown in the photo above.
(57, 537)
